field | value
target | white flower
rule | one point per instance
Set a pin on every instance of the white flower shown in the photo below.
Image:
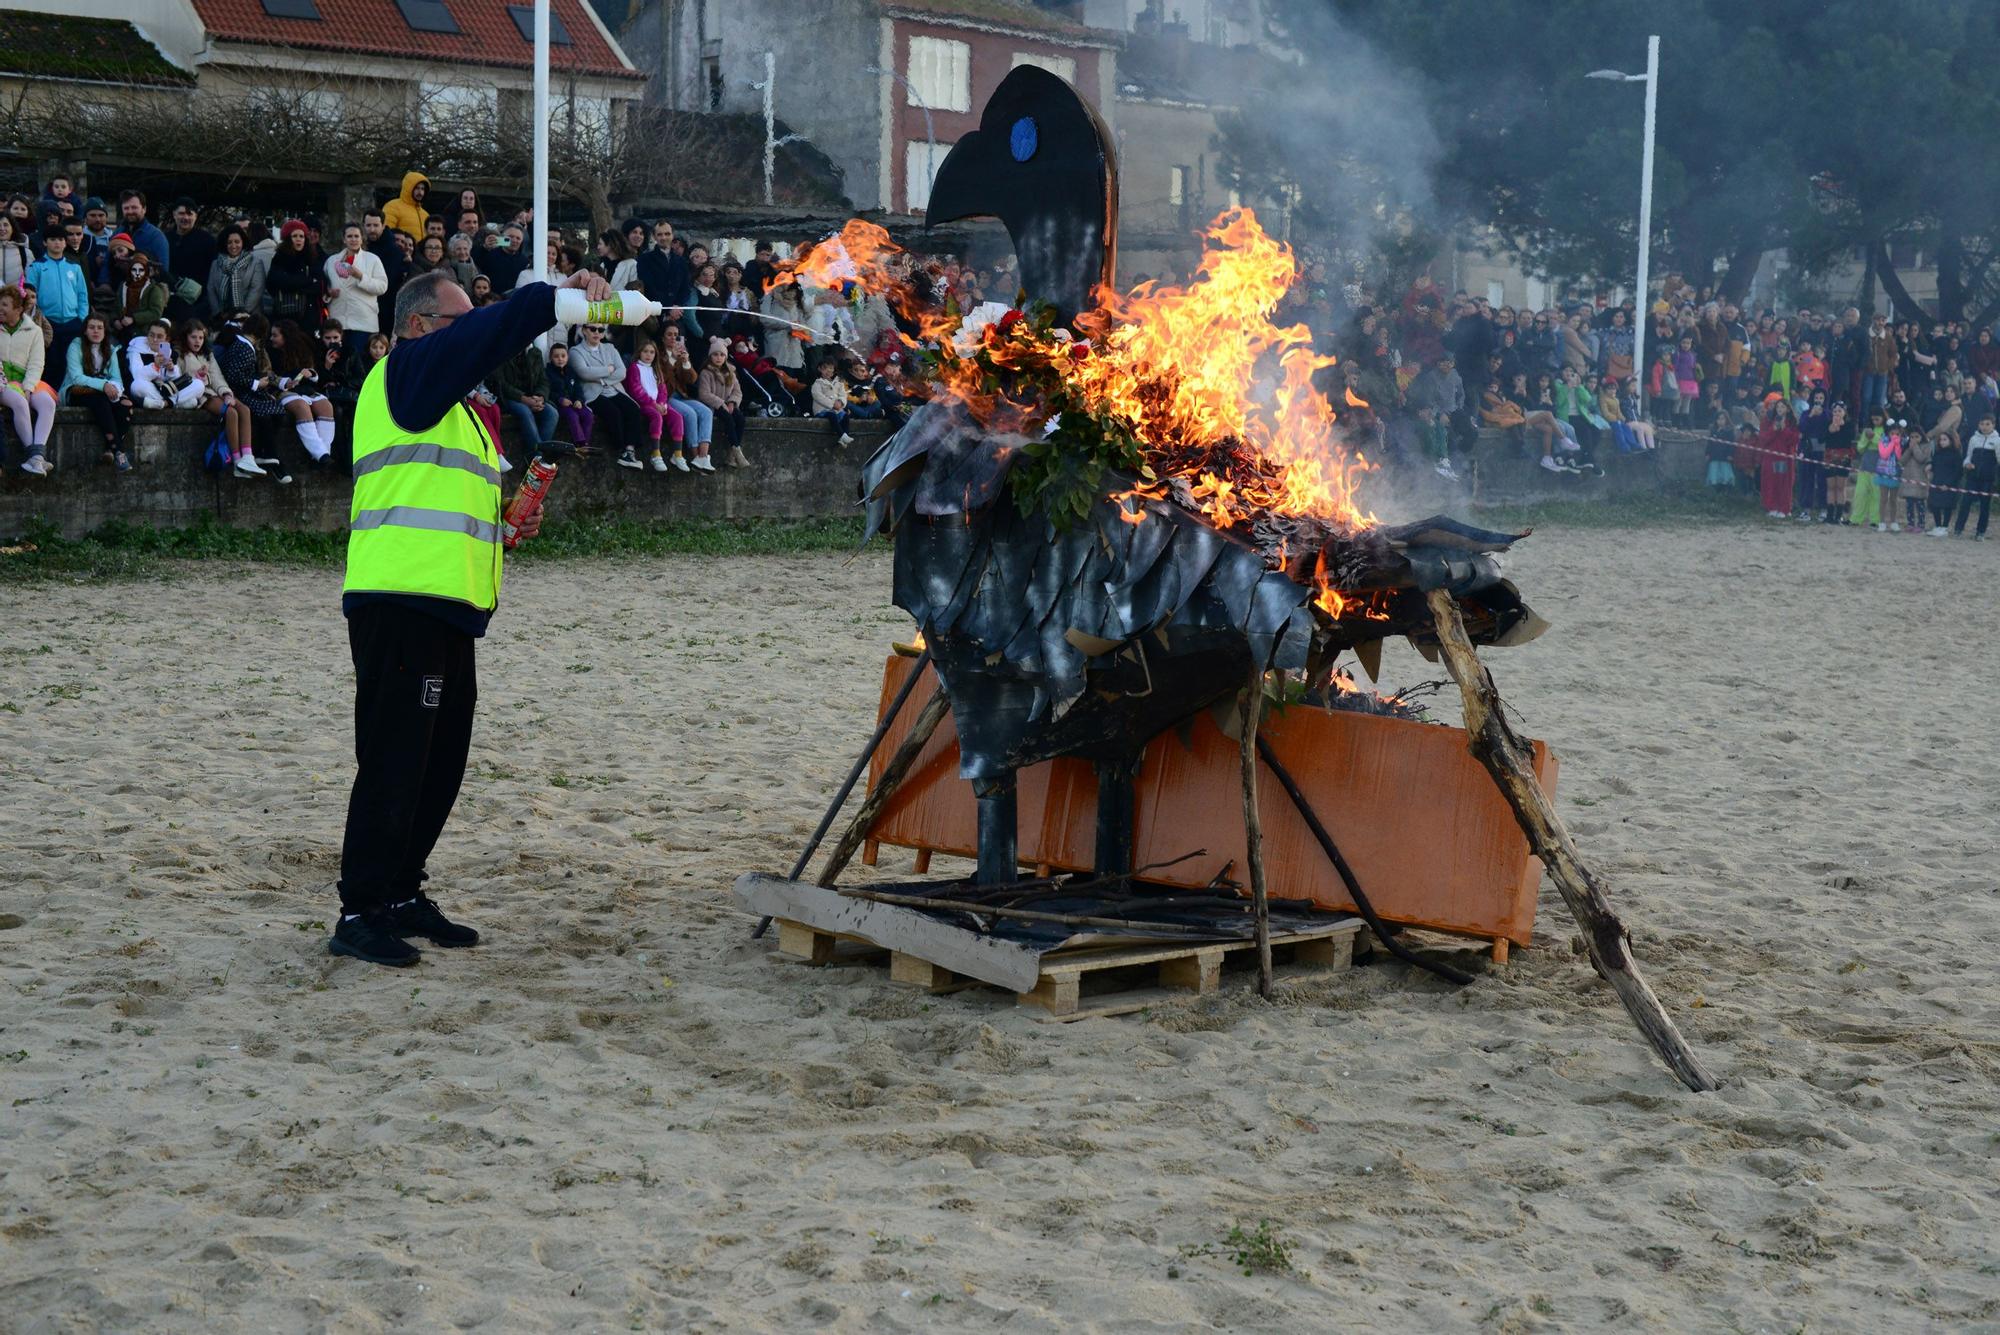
(972, 332)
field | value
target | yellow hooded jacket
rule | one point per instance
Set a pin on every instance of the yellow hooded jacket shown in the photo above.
(403, 213)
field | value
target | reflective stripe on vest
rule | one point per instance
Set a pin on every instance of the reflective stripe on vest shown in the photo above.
(426, 513)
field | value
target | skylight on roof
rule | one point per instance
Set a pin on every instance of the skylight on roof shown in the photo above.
(292, 9)
(427, 16)
(524, 19)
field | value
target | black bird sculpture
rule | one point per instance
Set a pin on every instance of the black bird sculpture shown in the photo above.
(1040, 162)
(1092, 639)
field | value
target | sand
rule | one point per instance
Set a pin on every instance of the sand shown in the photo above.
(621, 1114)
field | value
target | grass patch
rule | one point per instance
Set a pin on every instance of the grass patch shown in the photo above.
(1678, 507)
(133, 551)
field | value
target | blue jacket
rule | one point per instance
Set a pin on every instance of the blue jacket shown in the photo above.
(150, 239)
(61, 291)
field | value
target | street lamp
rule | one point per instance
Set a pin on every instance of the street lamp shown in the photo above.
(1651, 78)
(930, 135)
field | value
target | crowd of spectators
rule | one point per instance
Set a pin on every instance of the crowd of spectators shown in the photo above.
(271, 325)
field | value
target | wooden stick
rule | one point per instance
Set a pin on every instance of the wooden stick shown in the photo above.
(1510, 761)
(893, 775)
(854, 776)
(1253, 829)
(1029, 915)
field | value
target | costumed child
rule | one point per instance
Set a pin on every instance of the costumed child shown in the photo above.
(566, 393)
(1839, 464)
(1889, 476)
(1947, 468)
(1917, 454)
(1721, 445)
(1867, 509)
(829, 399)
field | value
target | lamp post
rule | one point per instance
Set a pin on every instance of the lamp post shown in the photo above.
(930, 134)
(1651, 78)
(541, 120)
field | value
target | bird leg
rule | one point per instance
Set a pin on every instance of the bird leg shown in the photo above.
(999, 829)
(1114, 815)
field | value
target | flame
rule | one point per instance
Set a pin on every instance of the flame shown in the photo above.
(1206, 368)
(1221, 397)
(861, 252)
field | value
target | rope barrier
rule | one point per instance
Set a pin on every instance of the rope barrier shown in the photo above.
(1855, 472)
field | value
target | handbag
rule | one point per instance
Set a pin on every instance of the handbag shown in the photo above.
(188, 290)
(217, 458)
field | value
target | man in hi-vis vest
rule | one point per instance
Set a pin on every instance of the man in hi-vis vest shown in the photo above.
(423, 578)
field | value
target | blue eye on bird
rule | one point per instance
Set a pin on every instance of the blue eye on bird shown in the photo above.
(1024, 139)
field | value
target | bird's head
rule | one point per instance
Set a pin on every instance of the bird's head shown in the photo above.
(1041, 162)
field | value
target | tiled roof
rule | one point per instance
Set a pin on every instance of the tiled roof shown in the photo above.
(487, 33)
(1021, 14)
(54, 46)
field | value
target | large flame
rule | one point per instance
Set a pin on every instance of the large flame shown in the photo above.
(1204, 367)
(1221, 396)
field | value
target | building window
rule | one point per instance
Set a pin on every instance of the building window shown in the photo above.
(921, 160)
(589, 117)
(1063, 67)
(940, 74)
(1177, 187)
(711, 71)
(1496, 292)
(443, 104)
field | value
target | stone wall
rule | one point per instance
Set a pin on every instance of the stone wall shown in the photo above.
(796, 473)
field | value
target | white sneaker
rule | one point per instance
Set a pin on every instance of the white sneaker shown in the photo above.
(1881, 528)
(704, 465)
(1938, 532)
(659, 462)
(247, 467)
(1444, 470)
(1895, 528)
(681, 462)
(845, 440)
(1548, 462)
(629, 460)
(36, 465)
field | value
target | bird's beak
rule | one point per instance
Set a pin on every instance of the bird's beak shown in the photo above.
(963, 185)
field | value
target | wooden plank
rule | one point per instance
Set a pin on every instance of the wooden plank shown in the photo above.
(923, 863)
(1328, 952)
(802, 942)
(1058, 994)
(1108, 1004)
(1012, 965)
(1085, 961)
(1199, 973)
(920, 973)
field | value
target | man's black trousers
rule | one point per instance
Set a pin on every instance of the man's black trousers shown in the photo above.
(414, 691)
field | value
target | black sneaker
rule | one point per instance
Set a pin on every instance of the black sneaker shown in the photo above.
(371, 937)
(420, 917)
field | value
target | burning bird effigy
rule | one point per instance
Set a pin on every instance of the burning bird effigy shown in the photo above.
(1117, 512)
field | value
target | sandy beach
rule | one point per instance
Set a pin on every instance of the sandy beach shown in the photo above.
(620, 1113)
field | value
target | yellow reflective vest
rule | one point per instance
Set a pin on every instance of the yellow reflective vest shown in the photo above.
(426, 513)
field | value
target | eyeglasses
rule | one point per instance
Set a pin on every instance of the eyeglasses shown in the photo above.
(440, 319)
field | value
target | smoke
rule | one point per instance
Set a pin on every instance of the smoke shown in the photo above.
(1354, 130)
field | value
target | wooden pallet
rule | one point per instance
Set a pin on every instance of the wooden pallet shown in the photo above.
(1122, 979)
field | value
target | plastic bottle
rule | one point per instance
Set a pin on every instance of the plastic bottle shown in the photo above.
(572, 307)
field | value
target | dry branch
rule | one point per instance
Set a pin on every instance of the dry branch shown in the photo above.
(1508, 759)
